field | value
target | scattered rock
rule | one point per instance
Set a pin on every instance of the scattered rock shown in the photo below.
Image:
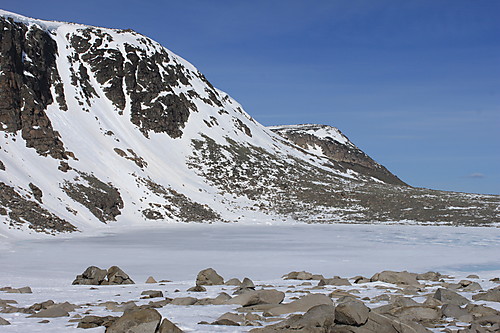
(256, 297)
(209, 277)
(233, 282)
(454, 311)
(95, 321)
(4, 321)
(430, 276)
(150, 280)
(56, 310)
(472, 276)
(138, 321)
(91, 276)
(184, 301)
(302, 276)
(301, 305)
(197, 289)
(23, 290)
(354, 313)
(451, 297)
(400, 278)
(492, 295)
(152, 293)
(117, 276)
(168, 327)
(335, 281)
(247, 283)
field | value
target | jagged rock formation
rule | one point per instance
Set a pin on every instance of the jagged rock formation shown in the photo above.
(101, 125)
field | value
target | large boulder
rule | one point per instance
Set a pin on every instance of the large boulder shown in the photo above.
(335, 281)
(301, 305)
(95, 276)
(209, 277)
(255, 297)
(117, 276)
(91, 276)
(56, 310)
(400, 278)
(353, 313)
(138, 321)
(168, 327)
(318, 319)
(492, 295)
(450, 297)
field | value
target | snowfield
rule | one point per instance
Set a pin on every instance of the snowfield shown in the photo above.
(261, 252)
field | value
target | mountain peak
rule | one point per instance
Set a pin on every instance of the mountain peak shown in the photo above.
(105, 126)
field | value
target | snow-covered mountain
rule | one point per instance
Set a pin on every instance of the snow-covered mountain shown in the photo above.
(104, 126)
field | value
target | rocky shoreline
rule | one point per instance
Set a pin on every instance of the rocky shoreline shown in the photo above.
(388, 301)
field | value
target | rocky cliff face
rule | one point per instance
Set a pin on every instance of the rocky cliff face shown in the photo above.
(107, 126)
(329, 142)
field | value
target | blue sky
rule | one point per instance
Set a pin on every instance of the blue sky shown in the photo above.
(415, 84)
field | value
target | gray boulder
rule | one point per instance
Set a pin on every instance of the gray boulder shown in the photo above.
(492, 295)
(454, 311)
(56, 310)
(335, 281)
(152, 293)
(354, 313)
(233, 282)
(96, 321)
(91, 276)
(400, 278)
(168, 327)
(450, 297)
(117, 276)
(138, 321)
(256, 297)
(4, 321)
(209, 277)
(184, 301)
(301, 305)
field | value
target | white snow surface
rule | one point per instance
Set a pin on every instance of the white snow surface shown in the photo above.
(261, 252)
(84, 131)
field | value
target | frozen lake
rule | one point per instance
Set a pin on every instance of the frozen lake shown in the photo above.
(179, 251)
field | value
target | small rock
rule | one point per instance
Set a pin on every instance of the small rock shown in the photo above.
(91, 276)
(247, 283)
(209, 277)
(472, 276)
(301, 305)
(4, 321)
(197, 289)
(184, 301)
(150, 280)
(233, 282)
(225, 322)
(152, 293)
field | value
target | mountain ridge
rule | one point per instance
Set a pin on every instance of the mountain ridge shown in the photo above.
(107, 126)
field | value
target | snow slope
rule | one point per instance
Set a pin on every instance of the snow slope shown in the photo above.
(103, 126)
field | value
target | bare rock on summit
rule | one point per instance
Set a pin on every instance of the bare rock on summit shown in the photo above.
(209, 277)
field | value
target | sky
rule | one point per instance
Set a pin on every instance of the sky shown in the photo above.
(415, 84)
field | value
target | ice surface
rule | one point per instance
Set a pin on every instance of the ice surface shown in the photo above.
(261, 252)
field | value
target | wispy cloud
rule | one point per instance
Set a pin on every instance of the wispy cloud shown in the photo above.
(476, 175)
